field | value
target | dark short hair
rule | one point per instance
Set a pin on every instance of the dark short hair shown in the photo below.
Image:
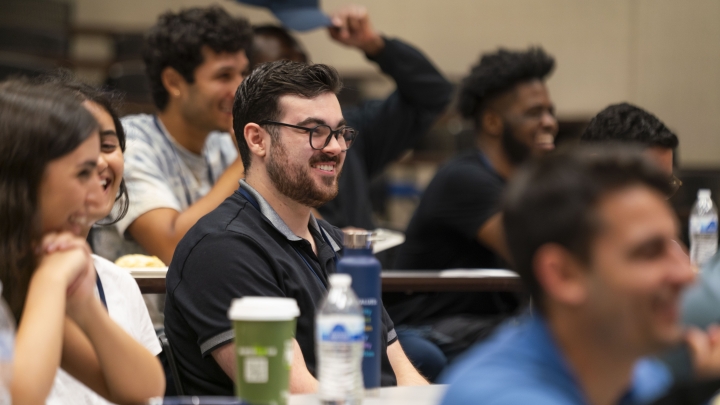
(555, 198)
(257, 97)
(109, 101)
(499, 72)
(284, 38)
(176, 41)
(625, 122)
(38, 124)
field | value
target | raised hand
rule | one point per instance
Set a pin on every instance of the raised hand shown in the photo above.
(352, 27)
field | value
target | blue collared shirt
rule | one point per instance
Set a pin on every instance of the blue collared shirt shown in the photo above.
(521, 364)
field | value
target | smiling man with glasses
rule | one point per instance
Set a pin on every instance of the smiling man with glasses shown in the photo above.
(263, 240)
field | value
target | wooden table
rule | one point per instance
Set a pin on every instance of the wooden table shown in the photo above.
(410, 281)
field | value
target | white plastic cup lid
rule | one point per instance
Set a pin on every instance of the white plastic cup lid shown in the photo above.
(263, 309)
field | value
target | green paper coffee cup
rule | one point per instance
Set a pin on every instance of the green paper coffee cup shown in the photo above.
(264, 330)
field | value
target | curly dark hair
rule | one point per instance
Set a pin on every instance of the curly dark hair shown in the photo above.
(176, 41)
(625, 122)
(109, 101)
(499, 72)
(257, 97)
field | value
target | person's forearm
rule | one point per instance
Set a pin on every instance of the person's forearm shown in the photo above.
(38, 344)
(405, 372)
(130, 372)
(163, 229)
(301, 381)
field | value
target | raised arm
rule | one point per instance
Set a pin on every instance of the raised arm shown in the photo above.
(391, 126)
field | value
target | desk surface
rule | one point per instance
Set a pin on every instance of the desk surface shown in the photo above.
(425, 395)
(408, 281)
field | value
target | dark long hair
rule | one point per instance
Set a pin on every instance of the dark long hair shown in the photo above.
(108, 100)
(38, 124)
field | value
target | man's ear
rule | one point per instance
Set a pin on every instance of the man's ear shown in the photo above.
(173, 82)
(562, 278)
(256, 139)
(492, 123)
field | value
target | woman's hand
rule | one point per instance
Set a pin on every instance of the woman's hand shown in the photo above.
(70, 258)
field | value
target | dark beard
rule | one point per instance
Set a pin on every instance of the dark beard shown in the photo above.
(516, 151)
(296, 183)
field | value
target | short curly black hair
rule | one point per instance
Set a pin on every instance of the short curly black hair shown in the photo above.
(176, 41)
(625, 122)
(497, 73)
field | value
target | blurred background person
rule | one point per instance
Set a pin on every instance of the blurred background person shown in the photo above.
(594, 240)
(50, 150)
(627, 123)
(181, 162)
(458, 222)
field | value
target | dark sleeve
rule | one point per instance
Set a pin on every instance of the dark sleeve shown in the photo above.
(391, 336)
(389, 127)
(217, 270)
(464, 198)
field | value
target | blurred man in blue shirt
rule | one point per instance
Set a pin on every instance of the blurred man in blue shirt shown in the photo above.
(593, 238)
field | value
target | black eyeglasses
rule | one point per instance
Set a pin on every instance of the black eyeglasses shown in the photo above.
(320, 135)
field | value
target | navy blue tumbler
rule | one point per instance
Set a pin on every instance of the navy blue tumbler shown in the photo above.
(364, 269)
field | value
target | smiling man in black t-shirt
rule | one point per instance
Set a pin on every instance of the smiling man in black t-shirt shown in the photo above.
(263, 240)
(458, 223)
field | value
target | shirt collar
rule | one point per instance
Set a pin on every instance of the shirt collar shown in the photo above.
(267, 210)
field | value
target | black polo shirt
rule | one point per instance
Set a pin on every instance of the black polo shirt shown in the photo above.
(235, 251)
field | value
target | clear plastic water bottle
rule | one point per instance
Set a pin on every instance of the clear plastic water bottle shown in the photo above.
(7, 346)
(339, 328)
(703, 229)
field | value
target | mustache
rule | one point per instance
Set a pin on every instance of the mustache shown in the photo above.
(322, 157)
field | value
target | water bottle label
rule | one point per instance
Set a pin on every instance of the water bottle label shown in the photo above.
(341, 329)
(703, 225)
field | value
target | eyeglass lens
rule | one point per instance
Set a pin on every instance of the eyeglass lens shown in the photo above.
(320, 137)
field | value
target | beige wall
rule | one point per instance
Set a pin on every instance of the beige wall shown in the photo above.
(662, 54)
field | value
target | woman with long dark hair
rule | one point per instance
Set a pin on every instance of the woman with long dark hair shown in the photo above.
(49, 184)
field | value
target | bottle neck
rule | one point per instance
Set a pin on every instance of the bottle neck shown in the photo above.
(358, 252)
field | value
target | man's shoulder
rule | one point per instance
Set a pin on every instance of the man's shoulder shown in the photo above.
(500, 375)
(465, 175)
(467, 165)
(512, 367)
(232, 223)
